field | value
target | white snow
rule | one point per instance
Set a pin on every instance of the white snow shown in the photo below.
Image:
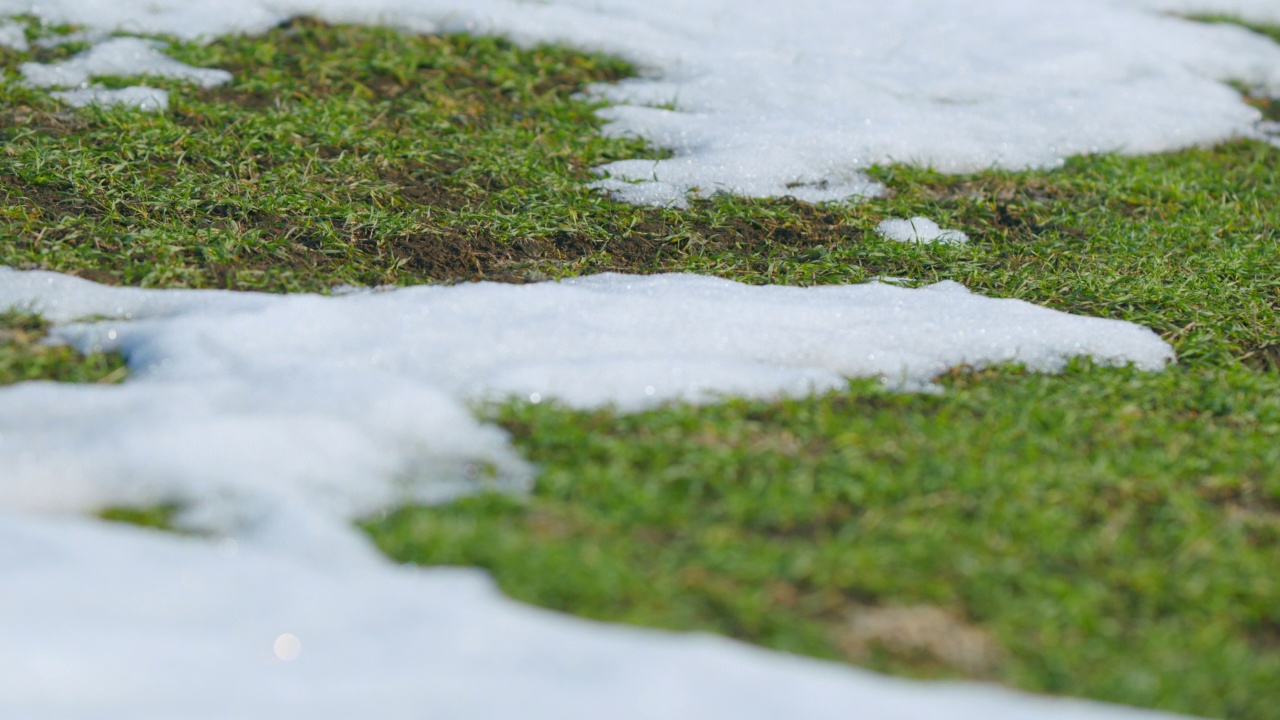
(13, 35)
(142, 98)
(113, 623)
(274, 420)
(919, 230)
(244, 405)
(123, 57)
(772, 98)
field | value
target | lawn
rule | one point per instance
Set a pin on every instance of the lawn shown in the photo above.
(1103, 533)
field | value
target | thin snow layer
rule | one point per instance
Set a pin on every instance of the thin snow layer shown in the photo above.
(919, 230)
(261, 411)
(773, 98)
(115, 623)
(123, 57)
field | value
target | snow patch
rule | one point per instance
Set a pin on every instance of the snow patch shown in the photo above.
(919, 230)
(247, 407)
(13, 35)
(275, 420)
(765, 98)
(122, 57)
(142, 98)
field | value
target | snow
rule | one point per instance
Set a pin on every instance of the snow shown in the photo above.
(13, 36)
(275, 420)
(248, 405)
(142, 98)
(1270, 132)
(123, 57)
(765, 98)
(919, 230)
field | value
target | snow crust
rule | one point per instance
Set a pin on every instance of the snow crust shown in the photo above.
(919, 230)
(766, 98)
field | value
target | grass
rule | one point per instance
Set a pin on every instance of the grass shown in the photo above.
(25, 356)
(1115, 534)
(1103, 533)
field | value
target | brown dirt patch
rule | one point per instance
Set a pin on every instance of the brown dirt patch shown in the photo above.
(57, 124)
(1269, 106)
(58, 202)
(996, 189)
(921, 632)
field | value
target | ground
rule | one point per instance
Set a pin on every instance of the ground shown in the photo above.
(1104, 533)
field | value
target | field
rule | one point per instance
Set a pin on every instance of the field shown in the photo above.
(1102, 533)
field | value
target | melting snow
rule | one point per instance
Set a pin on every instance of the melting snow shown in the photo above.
(142, 98)
(1259, 11)
(123, 57)
(277, 419)
(919, 230)
(765, 98)
(247, 403)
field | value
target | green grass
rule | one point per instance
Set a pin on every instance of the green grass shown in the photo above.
(1103, 533)
(157, 517)
(25, 356)
(1116, 533)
